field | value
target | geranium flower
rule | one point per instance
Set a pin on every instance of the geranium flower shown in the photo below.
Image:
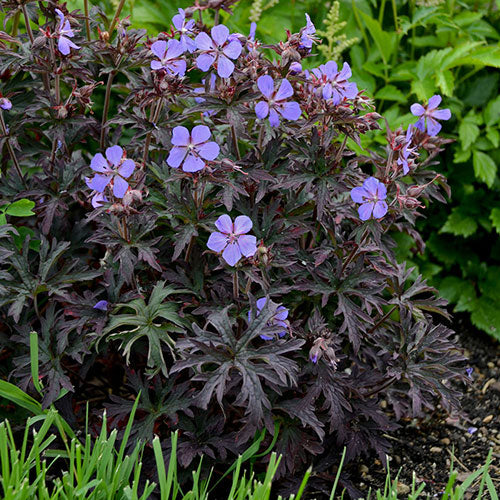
(217, 51)
(190, 150)
(169, 57)
(428, 115)
(114, 168)
(406, 151)
(5, 103)
(334, 84)
(307, 35)
(279, 318)
(64, 33)
(201, 90)
(102, 305)
(372, 195)
(276, 103)
(185, 28)
(232, 239)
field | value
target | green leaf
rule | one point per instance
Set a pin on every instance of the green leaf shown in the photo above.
(493, 135)
(492, 112)
(3, 219)
(21, 208)
(423, 89)
(495, 219)
(459, 224)
(390, 93)
(385, 41)
(446, 82)
(484, 56)
(486, 316)
(461, 156)
(468, 133)
(484, 167)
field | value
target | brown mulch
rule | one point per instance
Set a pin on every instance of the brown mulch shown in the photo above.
(428, 446)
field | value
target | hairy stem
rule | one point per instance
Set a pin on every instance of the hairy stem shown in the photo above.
(27, 22)
(216, 18)
(236, 285)
(116, 17)
(107, 98)
(386, 384)
(87, 22)
(11, 149)
(382, 319)
(155, 114)
(15, 27)
(235, 142)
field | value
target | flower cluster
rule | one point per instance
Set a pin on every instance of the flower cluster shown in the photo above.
(429, 114)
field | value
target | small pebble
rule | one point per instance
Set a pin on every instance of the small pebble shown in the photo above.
(445, 441)
(403, 489)
(363, 469)
(436, 449)
(491, 364)
(488, 419)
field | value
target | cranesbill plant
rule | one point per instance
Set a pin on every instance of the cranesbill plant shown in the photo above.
(202, 222)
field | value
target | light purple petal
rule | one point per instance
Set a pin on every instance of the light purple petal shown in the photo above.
(204, 61)
(441, 114)
(233, 50)
(351, 90)
(371, 185)
(101, 305)
(217, 242)
(203, 42)
(365, 211)
(99, 182)
(327, 91)
(158, 48)
(285, 91)
(98, 200)
(381, 191)
(266, 85)
(63, 45)
(248, 245)
(281, 313)
(177, 154)
(5, 103)
(220, 34)
(178, 20)
(193, 163)
(180, 136)
(345, 73)
(120, 186)
(232, 253)
(274, 119)
(434, 102)
(253, 29)
(261, 109)
(99, 163)
(242, 224)
(199, 134)
(417, 109)
(175, 49)
(358, 194)
(177, 67)
(380, 209)
(295, 68)
(127, 168)
(224, 224)
(209, 151)
(156, 65)
(188, 44)
(260, 304)
(420, 124)
(114, 155)
(290, 110)
(225, 67)
(330, 69)
(61, 16)
(433, 127)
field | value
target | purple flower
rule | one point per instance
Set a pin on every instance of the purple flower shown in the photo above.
(469, 371)
(99, 198)
(184, 28)
(276, 101)
(112, 168)
(334, 84)
(406, 151)
(191, 150)
(169, 57)
(232, 239)
(64, 33)
(472, 430)
(307, 35)
(102, 305)
(217, 50)
(5, 103)
(201, 90)
(371, 195)
(428, 115)
(279, 318)
(295, 68)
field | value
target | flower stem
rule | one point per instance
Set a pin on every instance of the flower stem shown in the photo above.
(216, 18)
(111, 75)
(27, 22)
(235, 142)
(155, 114)
(15, 27)
(116, 17)
(11, 149)
(87, 22)
(236, 285)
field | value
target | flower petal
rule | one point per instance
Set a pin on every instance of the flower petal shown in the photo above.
(98, 200)
(217, 242)
(176, 156)
(225, 67)
(220, 34)
(232, 254)
(247, 244)
(203, 42)
(99, 163)
(120, 186)
(281, 313)
(266, 85)
(420, 124)
(175, 49)
(381, 191)
(99, 182)
(242, 224)
(209, 151)
(156, 65)
(417, 109)
(178, 20)
(365, 211)
(233, 50)
(205, 61)
(127, 168)
(358, 194)
(180, 136)
(380, 209)
(274, 118)
(433, 127)
(371, 185)
(260, 304)
(158, 48)
(101, 305)
(434, 102)
(285, 91)
(114, 155)
(224, 224)
(290, 110)
(193, 163)
(441, 114)
(199, 134)
(177, 67)
(261, 109)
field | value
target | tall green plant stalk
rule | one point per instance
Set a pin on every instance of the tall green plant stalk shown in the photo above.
(105, 110)
(87, 21)
(11, 149)
(116, 17)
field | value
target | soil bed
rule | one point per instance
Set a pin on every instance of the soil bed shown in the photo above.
(427, 446)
